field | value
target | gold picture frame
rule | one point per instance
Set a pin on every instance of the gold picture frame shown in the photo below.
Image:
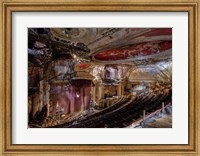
(9, 6)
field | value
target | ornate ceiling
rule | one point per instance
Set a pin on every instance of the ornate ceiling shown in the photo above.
(100, 44)
(89, 47)
(137, 50)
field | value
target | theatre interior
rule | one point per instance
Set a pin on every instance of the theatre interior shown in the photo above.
(99, 78)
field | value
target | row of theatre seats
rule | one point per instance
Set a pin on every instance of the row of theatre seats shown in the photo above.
(124, 112)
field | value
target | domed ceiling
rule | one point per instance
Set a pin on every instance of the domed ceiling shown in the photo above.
(92, 46)
(102, 45)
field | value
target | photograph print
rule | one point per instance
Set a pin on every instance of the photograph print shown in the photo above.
(99, 77)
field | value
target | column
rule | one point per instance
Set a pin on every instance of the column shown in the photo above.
(50, 105)
(102, 91)
(47, 96)
(122, 88)
(93, 94)
(99, 91)
(41, 94)
(119, 92)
